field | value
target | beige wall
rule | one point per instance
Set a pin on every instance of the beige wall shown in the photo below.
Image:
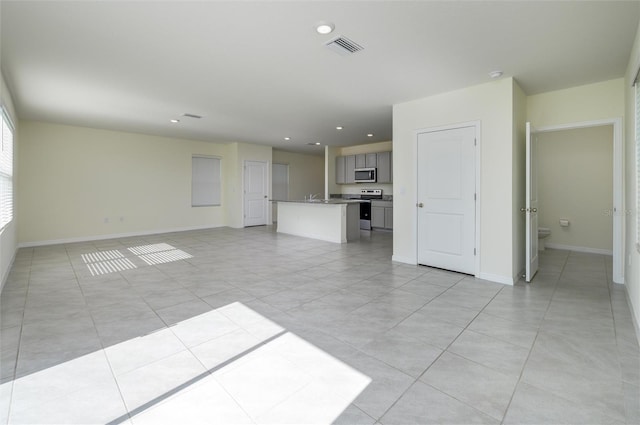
(492, 105)
(575, 182)
(306, 173)
(632, 250)
(237, 154)
(604, 100)
(9, 235)
(71, 179)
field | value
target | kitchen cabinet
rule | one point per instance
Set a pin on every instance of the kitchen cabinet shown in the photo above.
(371, 160)
(384, 164)
(366, 160)
(382, 214)
(340, 170)
(350, 169)
(346, 166)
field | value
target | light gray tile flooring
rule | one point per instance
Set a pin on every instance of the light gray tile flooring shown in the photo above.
(258, 327)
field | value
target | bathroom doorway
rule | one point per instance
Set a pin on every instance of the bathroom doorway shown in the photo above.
(580, 188)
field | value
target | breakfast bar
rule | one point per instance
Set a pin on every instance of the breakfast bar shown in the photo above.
(334, 220)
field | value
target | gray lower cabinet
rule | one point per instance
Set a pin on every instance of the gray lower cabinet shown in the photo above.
(388, 218)
(382, 214)
(377, 217)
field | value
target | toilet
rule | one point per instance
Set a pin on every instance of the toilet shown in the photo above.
(543, 233)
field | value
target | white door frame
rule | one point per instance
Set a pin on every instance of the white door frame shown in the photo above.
(266, 186)
(618, 181)
(531, 205)
(478, 154)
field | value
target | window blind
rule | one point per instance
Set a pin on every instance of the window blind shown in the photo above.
(205, 181)
(6, 171)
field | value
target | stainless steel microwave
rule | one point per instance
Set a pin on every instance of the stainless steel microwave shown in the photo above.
(365, 175)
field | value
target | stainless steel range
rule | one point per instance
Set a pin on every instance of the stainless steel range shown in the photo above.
(365, 207)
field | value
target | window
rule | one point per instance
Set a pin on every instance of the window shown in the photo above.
(205, 181)
(6, 171)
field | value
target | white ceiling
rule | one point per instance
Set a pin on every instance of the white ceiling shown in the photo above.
(258, 72)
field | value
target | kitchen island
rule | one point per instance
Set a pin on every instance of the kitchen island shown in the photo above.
(334, 220)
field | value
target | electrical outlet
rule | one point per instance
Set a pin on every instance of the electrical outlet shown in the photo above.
(106, 220)
(121, 219)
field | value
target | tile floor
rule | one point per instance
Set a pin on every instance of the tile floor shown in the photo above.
(249, 326)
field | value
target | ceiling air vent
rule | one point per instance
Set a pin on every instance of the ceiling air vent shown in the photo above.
(343, 46)
(192, 116)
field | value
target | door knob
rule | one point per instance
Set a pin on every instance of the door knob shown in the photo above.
(534, 210)
(265, 196)
(420, 205)
(523, 209)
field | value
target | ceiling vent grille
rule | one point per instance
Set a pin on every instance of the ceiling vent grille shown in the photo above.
(343, 46)
(192, 116)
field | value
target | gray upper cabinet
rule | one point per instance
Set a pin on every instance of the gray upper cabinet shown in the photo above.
(346, 166)
(350, 169)
(371, 160)
(385, 164)
(340, 170)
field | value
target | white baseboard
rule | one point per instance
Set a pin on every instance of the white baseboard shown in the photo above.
(579, 248)
(505, 280)
(111, 236)
(405, 260)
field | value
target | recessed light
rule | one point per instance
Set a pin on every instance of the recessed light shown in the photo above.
(314, 144)
(324, 27)
(370, 135)
(175, 121)
(287, 138)
(339, 127)
(317, 143)
(495, 74)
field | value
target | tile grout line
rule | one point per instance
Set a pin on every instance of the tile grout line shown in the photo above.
(524, 365)
(15, 367)
(440, 355)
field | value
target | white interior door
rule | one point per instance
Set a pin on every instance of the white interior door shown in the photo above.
(446, 199)
(531, 207)
(256, 193)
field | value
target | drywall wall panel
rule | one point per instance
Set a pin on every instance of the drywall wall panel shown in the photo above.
(306, 173)
(592, 102)
(80, 183)
(632, 250)
(238, 154)
(575, 182)
(491, 105)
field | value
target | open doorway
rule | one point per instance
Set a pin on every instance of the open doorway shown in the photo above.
(575, 196)
(580, 171)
